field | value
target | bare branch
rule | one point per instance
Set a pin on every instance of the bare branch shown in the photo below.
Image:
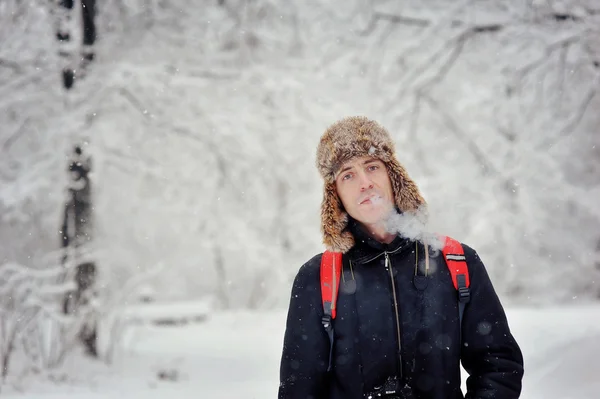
(490, 28)
(530, 113)
(16, 85)
(11, 65)
(214, 150)
(213, 75)
(401, 19)
(136, 165)
(13, 137)
(509, 135)
(235, 15)
(562, 69)
(406, 84)
(31, 273)
(570, 126)
(396, 19)
(446, 66)
(433, 29)
(134, 101)
(453, 126)
(457, 45)
(551, 48)
(565, 17)
(413, 131)
(414, 120)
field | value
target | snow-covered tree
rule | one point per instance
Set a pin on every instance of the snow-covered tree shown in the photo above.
(203, 120)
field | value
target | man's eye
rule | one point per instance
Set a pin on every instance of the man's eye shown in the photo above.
(373, 167)
(346, 177)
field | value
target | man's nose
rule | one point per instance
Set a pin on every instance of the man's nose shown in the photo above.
(365, 182)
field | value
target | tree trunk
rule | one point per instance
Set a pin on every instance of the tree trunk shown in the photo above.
(78, 235)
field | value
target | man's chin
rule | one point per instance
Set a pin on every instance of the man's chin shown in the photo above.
(373, 218)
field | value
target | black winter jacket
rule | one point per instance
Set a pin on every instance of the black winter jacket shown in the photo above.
(366, 340)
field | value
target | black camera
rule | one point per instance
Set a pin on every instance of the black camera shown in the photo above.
(391, 390)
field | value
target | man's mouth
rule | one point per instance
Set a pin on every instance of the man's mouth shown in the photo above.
(370, 199)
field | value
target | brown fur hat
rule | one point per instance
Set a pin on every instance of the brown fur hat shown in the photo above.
(349, 138)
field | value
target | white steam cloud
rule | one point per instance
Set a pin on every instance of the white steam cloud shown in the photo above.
(413, 225)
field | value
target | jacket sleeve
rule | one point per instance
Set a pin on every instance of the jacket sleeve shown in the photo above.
(490, 354)
(303, 370)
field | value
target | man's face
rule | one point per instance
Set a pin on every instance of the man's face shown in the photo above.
(364, 187)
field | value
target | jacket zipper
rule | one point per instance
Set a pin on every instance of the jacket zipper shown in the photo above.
(378, 255)
(389, 269)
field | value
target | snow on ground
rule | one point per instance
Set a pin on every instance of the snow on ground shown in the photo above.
(236, 355)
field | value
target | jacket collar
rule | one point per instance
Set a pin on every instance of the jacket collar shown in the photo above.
(367, 249)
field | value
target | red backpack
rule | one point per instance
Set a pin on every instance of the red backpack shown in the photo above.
(331, 268)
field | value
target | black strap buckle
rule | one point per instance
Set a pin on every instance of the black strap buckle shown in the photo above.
(464, 294)
(326, 320)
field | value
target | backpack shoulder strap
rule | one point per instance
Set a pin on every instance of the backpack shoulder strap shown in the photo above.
(331, 266)
(457, 264)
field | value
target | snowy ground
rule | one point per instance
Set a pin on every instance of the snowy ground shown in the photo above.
(237, 355)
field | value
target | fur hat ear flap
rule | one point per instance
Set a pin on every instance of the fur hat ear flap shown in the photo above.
(407, 195)
(334, 226)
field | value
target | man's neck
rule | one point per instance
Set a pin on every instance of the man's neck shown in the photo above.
(379, 232)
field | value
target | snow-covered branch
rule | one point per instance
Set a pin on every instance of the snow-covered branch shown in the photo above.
(581, 109)
(12, 65)
(26, 297)
(377, 16)
(482, 159)
(205, 123)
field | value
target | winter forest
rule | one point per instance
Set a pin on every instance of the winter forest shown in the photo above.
(158, 188)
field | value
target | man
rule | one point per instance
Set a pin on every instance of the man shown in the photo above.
(397, 322)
